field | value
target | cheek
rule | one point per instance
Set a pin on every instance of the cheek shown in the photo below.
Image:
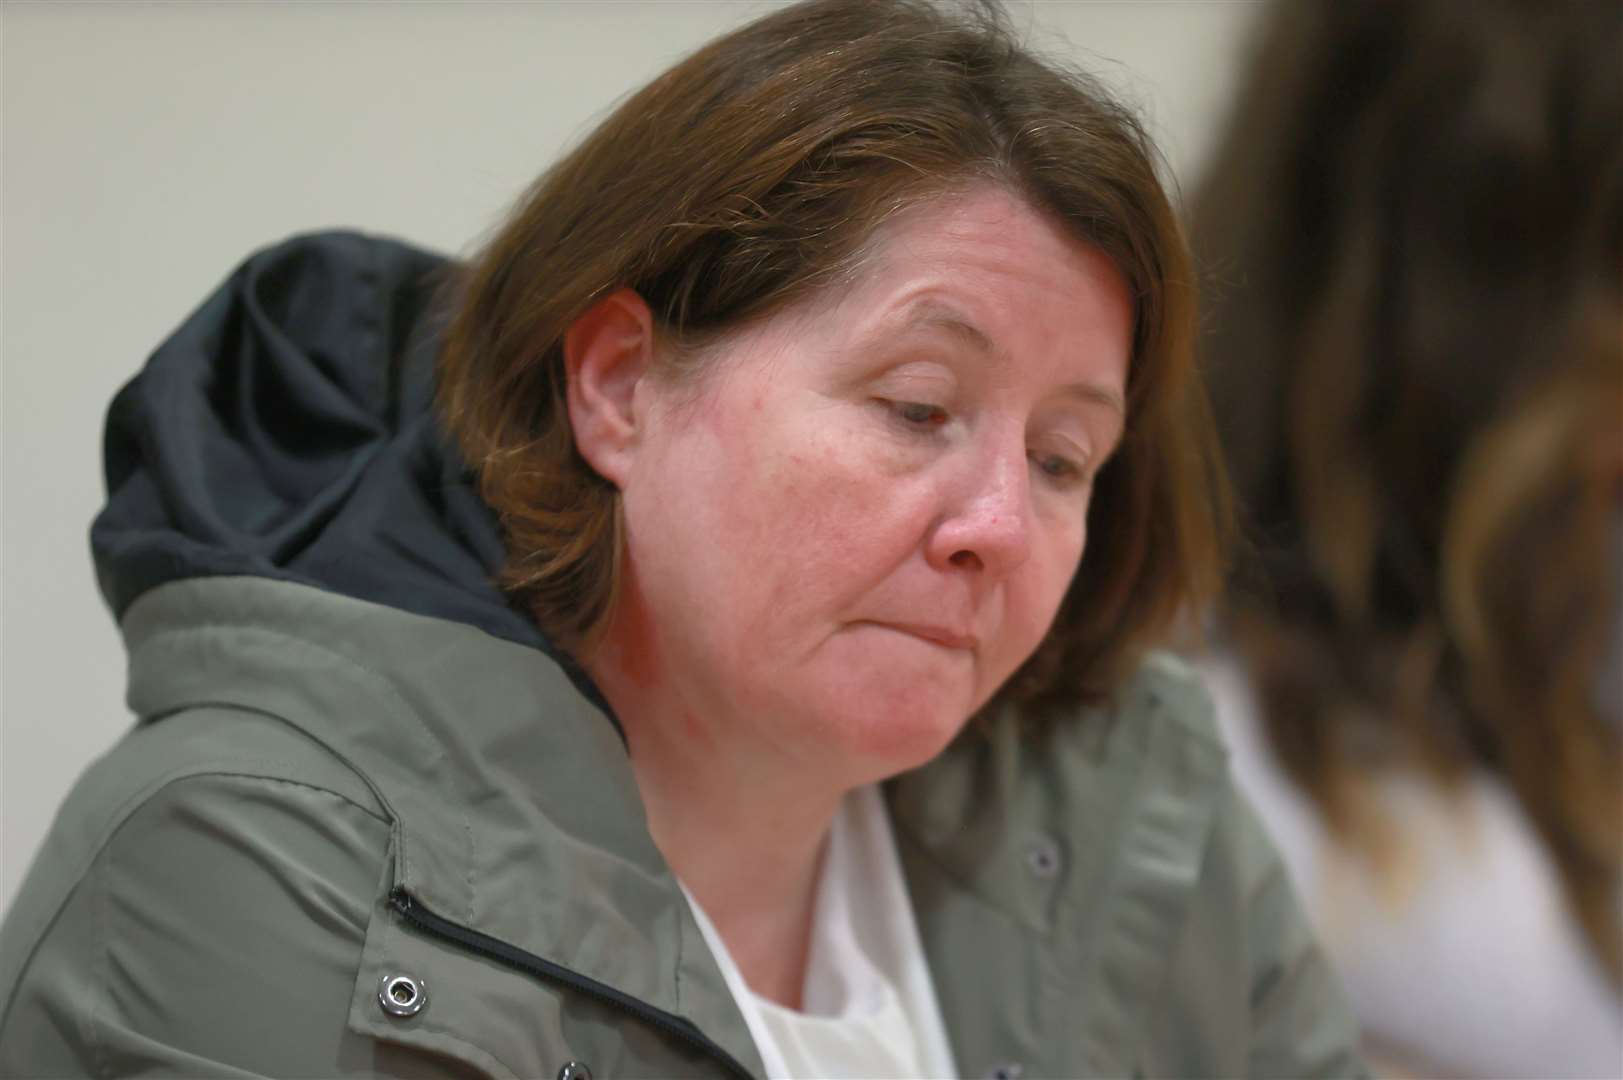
(1041, 590)
(783, 520)
(818, 502)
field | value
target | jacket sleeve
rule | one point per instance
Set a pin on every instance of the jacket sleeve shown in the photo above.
(216, 933)
(1301, 1022)
(1249, 993)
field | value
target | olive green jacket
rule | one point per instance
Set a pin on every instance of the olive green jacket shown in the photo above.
(357, 763)
(323, 793)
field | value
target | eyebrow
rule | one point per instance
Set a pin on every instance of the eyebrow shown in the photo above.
(934, 315)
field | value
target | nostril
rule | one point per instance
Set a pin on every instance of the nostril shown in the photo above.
(966, 560)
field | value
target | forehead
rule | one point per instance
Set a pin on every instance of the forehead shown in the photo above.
(982, 228)
(981, 268)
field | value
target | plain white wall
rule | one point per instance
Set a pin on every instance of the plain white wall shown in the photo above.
(148, 147)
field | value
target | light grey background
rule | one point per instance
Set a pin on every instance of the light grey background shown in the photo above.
(148, 147)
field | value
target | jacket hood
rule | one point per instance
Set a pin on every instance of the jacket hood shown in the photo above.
(286, 430)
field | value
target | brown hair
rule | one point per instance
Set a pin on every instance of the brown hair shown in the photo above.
(751, 173)
(1418, 373)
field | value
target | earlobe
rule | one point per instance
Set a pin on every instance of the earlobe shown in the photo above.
(608, 351)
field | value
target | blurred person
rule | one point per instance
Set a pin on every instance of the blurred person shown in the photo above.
(579, 681)
(1415, 231)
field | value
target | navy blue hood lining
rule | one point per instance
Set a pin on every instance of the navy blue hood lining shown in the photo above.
(286, 430)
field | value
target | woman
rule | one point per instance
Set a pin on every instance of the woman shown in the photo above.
(779, 408)
(1418, 373)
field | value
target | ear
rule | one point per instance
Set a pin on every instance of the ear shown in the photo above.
(608, 351)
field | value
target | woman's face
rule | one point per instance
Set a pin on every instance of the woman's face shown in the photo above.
(864, 518)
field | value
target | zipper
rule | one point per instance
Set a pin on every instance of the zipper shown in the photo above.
(496, 949)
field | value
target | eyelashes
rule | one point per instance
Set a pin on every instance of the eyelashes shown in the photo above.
(918, 414)
(1062, 470)
(925, 419)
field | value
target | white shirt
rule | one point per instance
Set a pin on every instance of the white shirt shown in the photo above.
(869, 1007)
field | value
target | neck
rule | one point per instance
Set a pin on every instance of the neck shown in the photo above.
(739, 825)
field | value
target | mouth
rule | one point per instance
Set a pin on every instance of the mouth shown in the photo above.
(936, 635)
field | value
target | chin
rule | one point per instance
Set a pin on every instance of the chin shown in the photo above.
(877, 705)
(897, 729)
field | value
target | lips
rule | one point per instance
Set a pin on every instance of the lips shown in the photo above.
(936, 635)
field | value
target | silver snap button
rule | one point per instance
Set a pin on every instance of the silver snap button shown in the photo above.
(574, 1070)
(1042, 858)
(402, 995)
(1009, 1070)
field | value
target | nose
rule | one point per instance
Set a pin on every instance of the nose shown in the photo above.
(986, 526)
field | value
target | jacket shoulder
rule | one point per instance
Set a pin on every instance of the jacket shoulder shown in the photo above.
(188, 743)
(160, 831)
(1249, 983)
(208, 918)
(1172, 690)
(1111, 851)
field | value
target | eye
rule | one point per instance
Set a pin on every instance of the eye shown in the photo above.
(1064, 472)
(918, 414)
